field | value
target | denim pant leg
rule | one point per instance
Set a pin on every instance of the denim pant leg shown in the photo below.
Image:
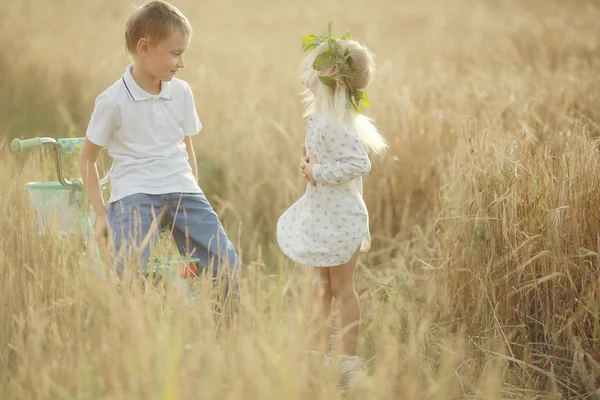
(198, 232)
(130, 220)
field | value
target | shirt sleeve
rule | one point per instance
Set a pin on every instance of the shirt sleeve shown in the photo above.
(103, 122)
(352, 160)
(191, 123)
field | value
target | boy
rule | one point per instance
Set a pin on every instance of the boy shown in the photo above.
(146, 120)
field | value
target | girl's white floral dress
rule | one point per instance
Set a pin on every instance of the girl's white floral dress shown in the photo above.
(326, 226)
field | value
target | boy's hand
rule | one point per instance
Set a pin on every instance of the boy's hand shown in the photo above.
(306, 165)
(101, 230)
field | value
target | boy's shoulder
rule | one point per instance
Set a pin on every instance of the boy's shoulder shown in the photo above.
(179, 87)
(113, 93)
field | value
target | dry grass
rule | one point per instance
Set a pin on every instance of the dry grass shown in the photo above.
(484, 277)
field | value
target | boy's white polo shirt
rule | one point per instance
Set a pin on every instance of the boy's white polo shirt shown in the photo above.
(144, 133)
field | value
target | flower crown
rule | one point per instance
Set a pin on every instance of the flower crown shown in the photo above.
(335, 56)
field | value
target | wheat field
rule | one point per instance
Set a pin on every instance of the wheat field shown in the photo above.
(483, 280)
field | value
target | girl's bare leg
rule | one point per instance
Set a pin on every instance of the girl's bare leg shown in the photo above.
(342, 289)
(321, 301)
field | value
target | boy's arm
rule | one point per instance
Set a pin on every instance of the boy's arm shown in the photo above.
(103, 123)
(191, 126)
(189, 147)
(89, 174)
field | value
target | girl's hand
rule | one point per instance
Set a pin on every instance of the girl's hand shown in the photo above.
(303, 159)
(303, 154)
(306, 165)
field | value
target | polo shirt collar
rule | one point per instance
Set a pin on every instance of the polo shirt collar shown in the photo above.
(137, 93)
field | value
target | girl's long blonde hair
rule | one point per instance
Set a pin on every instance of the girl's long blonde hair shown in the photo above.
(322, 99)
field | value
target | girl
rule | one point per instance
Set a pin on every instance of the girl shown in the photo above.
(328, 226)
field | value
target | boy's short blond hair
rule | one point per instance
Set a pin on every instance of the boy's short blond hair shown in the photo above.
(156, 21)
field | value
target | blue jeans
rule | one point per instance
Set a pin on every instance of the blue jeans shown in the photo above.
(197, 230)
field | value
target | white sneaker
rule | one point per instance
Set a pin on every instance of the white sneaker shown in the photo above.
(316, 357)
(348, 365)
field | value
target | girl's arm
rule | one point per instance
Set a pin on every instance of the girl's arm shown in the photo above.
(352, 160)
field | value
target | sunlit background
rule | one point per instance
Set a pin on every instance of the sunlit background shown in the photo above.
(483, 279)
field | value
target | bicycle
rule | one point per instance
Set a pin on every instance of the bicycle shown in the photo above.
(65, 200)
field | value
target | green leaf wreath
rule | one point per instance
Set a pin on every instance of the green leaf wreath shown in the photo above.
(335, 56)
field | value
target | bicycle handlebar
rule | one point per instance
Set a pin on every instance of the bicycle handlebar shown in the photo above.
(65, 145)
(18, 145)
(68, 145)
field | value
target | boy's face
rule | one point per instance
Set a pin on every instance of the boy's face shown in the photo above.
(165, 58)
